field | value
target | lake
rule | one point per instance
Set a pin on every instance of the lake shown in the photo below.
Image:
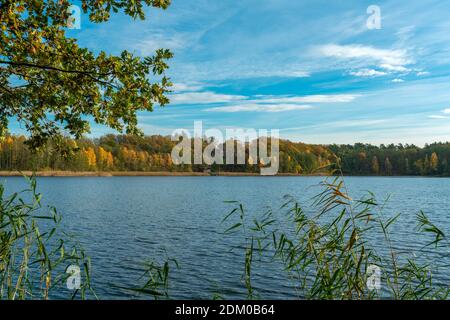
(124, 221)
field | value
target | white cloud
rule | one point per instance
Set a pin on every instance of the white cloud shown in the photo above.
(398, 80)
(254, 107)
(338, 98)
(394, 68)
(185, 87)
(203, 98)
(445, 115)
(383, 56)
(287, 73)
(391, 61)
(437, 117)
(148, 46)
(351, 123)
(208, 97)
(367, 73)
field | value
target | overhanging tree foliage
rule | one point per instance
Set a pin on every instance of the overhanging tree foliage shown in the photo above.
(53, 87)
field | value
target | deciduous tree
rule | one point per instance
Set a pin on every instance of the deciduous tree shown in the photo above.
(53, 86)
(375, 165)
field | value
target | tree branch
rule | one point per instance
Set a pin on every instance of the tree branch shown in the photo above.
(84, 73)
(31, 65)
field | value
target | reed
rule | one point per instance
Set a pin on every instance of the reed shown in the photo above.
(154, 279)
(34, 254)
(326, 248)
(324, 245)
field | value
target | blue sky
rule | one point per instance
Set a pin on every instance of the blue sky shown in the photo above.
(309, 68)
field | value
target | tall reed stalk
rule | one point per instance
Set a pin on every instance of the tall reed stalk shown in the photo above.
(327, 248)
(33, 252)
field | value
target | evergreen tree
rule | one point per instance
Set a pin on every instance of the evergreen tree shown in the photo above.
(388, 167)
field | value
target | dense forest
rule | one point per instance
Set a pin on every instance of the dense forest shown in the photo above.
(153, 153)
(366, 159)
(148, 153)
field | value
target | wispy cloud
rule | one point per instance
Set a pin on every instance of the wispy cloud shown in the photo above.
(437, 117)
(283, 102)
(148, 46)
(394, 68)
(339, 98)
(254, 107)
(397, 80)
(288, 73)
(383, 56)
(279, 55)
(367, 73)
(445, 114)
(351, 123)
(389, 60)
(186, 87)
(206, 97)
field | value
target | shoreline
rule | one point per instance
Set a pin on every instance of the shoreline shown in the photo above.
(142, 174)
(174, 174)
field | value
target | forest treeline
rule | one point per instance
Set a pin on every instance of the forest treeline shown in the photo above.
(366, 159)
(153, 153)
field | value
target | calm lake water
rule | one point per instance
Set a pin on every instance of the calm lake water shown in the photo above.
(124, 221)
